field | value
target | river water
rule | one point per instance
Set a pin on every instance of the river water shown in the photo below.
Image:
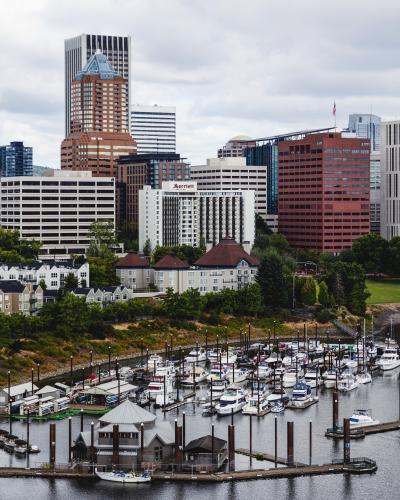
(382, 396)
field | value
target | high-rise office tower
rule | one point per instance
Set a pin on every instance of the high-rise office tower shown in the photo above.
(78, 51)
(323, 184)
(235, 147)
(367, 126)
(154, 128)
(390, 163)
(15, 159)
(99, 125)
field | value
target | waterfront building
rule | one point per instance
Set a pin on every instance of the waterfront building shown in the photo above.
(236, 146)
(99, 130)
(20, 298)
(390, 191)
(15, 159)
(180, 214)
(324, 188)
(233, 174)
(226, 266)
(134, 272)
(157, 444)
(77, 52)
(154, 128)
(57, 210)
(17, 392)
(207, 453)
(368, 126)
(52, 273)
(136, 171)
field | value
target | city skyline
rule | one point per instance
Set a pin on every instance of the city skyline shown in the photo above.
(263, 98)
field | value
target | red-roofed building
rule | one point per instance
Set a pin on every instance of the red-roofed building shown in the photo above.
(134, 271)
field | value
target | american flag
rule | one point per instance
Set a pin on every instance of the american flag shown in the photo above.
(334, 109)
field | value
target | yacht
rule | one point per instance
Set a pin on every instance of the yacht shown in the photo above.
(278, 394)
(255, 404)
(196, 355)
(389, 359)
(347, 382)
(364, 378)
(232, 401)
(301, 394)
(349, 363)
(272, 358)
(196, 376)
(228, 359)
(156, 386)
(9, 443)
(362, 418)
(216, 374)
(310, 377)
(214, 355)
(291, 376)
(330, 378)
(218, 388)
(154, 361)
(21, 447)
(287, 360)
(168, 369)
(263, 370)
(237, 375)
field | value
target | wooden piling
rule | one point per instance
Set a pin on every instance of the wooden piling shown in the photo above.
(92, 451)
(52, 447)
(276, 442)
(183, 429)
(69, 439)
(81, 420)
(231, 447)
(310, 447)
(290, 445)
(141, 444)
(346, 441)
(115, 450)
(335, 409)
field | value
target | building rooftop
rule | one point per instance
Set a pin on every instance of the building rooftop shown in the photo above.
(227, 253)
(132, 260)
(171, 262)
(204, 444)
(11, 286)
(98, 65)
(127, 413)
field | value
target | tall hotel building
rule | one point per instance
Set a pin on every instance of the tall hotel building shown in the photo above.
(390, 192)
(154, 128)
(324, 191)
(180, 214)
(15, 159)
(57, 210)
(78, 51)
(99, 119)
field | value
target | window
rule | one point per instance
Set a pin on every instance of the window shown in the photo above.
(54, 283)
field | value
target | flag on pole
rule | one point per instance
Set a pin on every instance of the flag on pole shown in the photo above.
(334, 109)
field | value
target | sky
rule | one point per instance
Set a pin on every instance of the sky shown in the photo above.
(259, 67)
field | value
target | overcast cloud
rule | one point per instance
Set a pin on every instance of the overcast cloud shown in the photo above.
(257, 67)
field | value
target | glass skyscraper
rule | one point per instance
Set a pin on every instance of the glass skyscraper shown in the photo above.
(15, 160)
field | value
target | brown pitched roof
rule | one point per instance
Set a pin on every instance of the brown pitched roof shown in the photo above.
(227, 253)
(171, 262)
(133, 260)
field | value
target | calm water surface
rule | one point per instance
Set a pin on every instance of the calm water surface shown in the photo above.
(382, 396)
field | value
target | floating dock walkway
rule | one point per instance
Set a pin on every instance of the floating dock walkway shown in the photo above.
(361, 432)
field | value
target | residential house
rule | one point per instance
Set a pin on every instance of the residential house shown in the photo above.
(17, 297)
(134, 271)
(103, 295)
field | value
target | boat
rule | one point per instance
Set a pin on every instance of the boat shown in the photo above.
(278, 394)
(330, 378)
(168, 369)
(218, 388)
(124, 477)
(9, 443)
(154, 361)
(156, 386)
(301, 394)
(195, 376)
(349, 363)
(3, 435)
(347, 382)
(263, 371)
(237, 375)
(277, 407)
(364, 378)
(143, 399)
(292, 376)
(255, 404)
(208, 410)
(216, 374)
(231, 401)
(311, 378)
(21, 447)
(362, 418)
(389, 359)
(287, 361)
(33, 448)
(162, 400)
(272, 358)
(196, 355)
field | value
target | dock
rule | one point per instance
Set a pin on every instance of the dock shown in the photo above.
(362, 431)
(259, 455)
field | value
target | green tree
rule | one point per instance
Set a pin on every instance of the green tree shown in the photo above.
(102, 271)
(43, 285)
(273, 280)
(102, 239)
(71, 281)
(309, 292)
(147, 248)
(324, 297)
(392, 264)
(15, 249)
(371, 251)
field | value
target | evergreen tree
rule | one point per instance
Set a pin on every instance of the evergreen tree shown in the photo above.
(272, 280)
(70, 282)
(309, 292)
(147, 248)
(324, 297)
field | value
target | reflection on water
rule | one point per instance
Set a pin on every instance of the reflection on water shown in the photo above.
(382, 396)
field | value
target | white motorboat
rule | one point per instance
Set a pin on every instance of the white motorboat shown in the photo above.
(195, 376)
(364, 378)
(272, 358)
(9, 443)
(232, 400)
(218, 388)
(329, 378)
(301, 394)
(21, 447)
(196, 355)
(347, 382)
(277, 407)
(237, 375)
(278, 394)
(154, 359)
(228, 359)
(372, 351)
(168, 369)
(389, 359)
(124, 477)
(216, 374)
(214, 355)
(156, 386)
(311, 378)
(263, 370)
(291, 376)
(362, 418)
(255, 404)
(349, 363)
(287, 361)
(162, 401)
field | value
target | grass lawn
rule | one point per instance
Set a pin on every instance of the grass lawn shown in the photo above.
(383, 291)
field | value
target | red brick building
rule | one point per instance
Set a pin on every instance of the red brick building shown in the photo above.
(323, 191)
